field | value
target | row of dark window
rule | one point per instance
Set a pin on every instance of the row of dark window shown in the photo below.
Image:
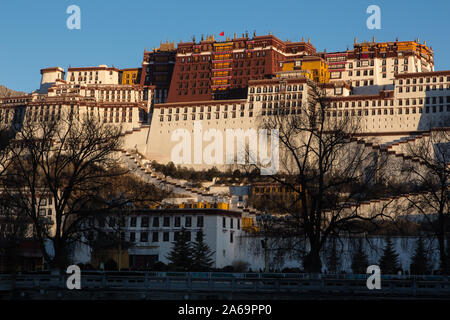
(421, 80)
(276, 88)
(276, 97)
(144, 236)
(208, 116)
(420, 88)
(374, 112)
(202, 108)
(166, 222)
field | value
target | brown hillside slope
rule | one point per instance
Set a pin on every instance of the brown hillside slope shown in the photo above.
(5, 92)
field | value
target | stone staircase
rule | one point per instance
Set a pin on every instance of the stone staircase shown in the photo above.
(396, 147)
(141, 167)
(388, 206)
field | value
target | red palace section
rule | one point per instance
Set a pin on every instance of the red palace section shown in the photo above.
(216, 70)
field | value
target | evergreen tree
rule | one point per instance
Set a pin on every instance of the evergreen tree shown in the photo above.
(360, 261)
(180, 257)
(389, 261)
(419, 263)
(201, 254)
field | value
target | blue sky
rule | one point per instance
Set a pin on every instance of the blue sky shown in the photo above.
(34, 33)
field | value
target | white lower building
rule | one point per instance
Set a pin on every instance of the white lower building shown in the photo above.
(152, 233)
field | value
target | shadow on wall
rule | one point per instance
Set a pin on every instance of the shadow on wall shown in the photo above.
(18, 118)
(436, 109)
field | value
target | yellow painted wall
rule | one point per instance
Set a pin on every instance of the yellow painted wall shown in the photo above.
(288, 66)
(129, 76)
(205, 205)
(316, 70)
(248, 225)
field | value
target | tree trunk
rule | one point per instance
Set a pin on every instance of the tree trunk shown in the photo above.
(59, 261)
(442, 255)
(312, 262)
(441, 240)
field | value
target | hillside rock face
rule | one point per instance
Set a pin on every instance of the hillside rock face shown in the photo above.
(5, 92)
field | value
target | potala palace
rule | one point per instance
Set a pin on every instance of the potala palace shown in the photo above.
(390, 88)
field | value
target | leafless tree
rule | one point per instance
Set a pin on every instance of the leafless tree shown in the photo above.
(325, 171)
(68, 162)
(428, 185)
(14, 228)
(6, 135)
(106, 226)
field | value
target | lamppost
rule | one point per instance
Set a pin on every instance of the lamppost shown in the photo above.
(263, 220)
